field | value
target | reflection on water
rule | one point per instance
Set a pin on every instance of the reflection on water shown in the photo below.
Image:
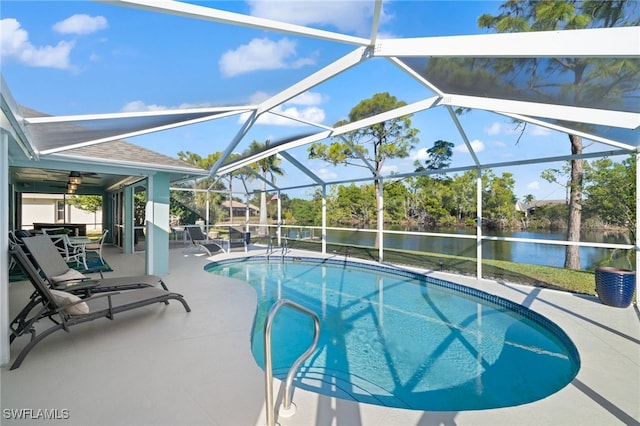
(537, 254)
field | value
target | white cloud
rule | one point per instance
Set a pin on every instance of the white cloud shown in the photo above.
(15, 44)
(389, 170)
(81, 24)
(346, 16)
(535, 185)
(258, 98)
(420, 155)
(494, 129)
(539, 131)
(510, 128)
(261, 54)
(326, 174)
(305, 98)
(140, 106)
(312, 114)
(478, 146)
(309, 111)
(308, 98)
(386, 35)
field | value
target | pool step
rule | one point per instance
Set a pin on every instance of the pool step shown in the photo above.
(343, 385)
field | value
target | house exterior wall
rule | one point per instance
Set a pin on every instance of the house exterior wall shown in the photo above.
(43, 208)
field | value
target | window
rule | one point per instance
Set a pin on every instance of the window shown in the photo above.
(60, 211)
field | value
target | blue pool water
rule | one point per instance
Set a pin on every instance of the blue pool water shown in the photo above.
(401, 339)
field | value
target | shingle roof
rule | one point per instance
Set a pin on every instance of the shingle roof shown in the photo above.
(122, 150)
(238, 205)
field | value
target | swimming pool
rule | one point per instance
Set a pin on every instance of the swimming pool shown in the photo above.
(401, 339)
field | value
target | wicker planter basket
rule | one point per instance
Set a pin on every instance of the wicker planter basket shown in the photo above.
(615, 286)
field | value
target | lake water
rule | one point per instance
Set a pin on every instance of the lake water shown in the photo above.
(537, 254)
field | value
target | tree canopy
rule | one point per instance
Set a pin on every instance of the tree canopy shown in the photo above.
(376, 143)
(589, 81)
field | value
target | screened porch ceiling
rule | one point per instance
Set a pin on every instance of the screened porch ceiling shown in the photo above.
(450, 74)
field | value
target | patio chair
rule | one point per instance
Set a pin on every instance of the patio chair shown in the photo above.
(70, 251)
(66, 310)
(97, 246)
(61, 277)
(203, 242)
(238, 238)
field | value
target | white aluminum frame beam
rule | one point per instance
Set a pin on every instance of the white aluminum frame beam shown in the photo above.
(379, 118)
(601, 117)
(271, 151)
(563, 129)
(346, 62)
(135, 133)
(375, 22)
(620, 42)
(11, 121)
(559, 158)
(250, 171)
(236, 140)
(416, 76)
(298, 119)
(463, 134)
(304, 169)
(139, 114)
(367, 163)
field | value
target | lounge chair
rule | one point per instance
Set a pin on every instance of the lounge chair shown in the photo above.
(66, 310)
(203, 242)
(61, 277)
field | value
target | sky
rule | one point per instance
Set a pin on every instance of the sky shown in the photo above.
(77, 57)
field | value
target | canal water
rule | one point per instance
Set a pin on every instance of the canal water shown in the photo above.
(532, 253)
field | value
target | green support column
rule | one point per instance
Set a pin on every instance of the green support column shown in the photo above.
(157, 218)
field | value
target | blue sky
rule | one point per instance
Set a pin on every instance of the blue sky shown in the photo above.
(79, 57)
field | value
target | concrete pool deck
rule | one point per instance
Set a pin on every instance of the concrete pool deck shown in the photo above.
(162, 366)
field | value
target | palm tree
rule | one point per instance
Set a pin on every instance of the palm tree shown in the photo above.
(268, 168)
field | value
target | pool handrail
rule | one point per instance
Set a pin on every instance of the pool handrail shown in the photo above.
(268, 368)
(271, 248)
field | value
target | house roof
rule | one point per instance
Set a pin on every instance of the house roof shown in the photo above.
(526, 207)
(237, 205)
(125, 152)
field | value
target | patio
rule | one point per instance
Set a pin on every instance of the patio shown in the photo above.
(160, 365)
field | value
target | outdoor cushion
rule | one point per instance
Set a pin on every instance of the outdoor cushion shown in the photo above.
(70, 275)
(63, 298)
(54, 268)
